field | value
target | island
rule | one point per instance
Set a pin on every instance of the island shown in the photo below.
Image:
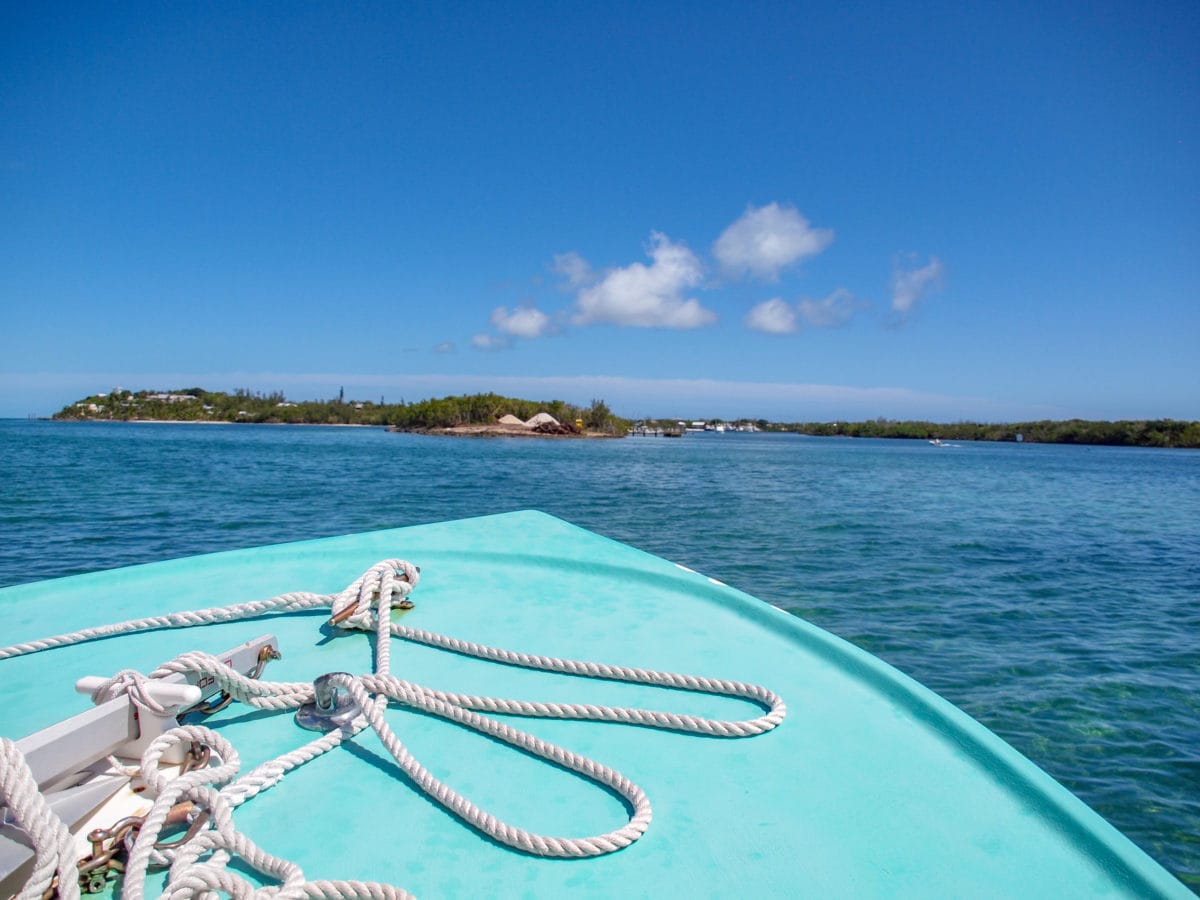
(492, 415)
(472, 415)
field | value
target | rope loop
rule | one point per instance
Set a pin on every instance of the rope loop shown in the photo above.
(392, 578)
(199, 866)
(158, 781)
(54, 857)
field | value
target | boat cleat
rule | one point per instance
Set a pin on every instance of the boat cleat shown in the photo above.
(153, 720)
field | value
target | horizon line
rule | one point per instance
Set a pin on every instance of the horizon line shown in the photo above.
(755, 399)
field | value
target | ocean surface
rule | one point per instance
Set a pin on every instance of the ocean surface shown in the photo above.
(1052, 592)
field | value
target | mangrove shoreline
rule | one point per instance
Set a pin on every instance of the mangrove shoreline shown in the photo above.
(477, 415)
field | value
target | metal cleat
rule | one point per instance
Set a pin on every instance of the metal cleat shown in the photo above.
(65, 758)
(151, 723)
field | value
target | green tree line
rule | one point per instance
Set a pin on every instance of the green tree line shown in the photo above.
(199, 405)
(1125, 433)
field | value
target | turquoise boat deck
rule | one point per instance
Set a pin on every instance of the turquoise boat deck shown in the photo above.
(872, 787)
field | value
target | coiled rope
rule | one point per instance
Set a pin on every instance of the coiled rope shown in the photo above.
(216, 790)
(52, 843)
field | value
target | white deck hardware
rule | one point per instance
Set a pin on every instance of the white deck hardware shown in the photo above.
(64, 756)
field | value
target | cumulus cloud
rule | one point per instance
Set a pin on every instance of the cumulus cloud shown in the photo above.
(648, 296)
(777, 316)
(836, 309)
(574, 268)
(768, 239)
(523, 321)
(773, 316)
(489, 342)
(910, 285)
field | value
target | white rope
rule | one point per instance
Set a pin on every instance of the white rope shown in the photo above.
(358, 593)
(365, 605)
(285, 603)
(53, 846)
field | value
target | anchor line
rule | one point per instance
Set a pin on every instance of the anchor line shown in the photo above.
(200, 864)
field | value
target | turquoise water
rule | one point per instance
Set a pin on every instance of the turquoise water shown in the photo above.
(1051, 592)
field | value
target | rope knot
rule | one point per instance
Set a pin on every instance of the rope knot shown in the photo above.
(355, 606)
(131, 682)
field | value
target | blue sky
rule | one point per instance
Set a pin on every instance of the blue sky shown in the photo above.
(947, 211)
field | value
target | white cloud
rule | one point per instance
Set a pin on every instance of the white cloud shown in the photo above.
(444, 347)
(773, 316)
(648, 296)
(909, 286)
(574, 268)
(766, 240)
(489, 342)
(777, 316)
(523, 321)
(836, 309)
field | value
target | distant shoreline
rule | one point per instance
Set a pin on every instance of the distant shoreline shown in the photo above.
(203, 422)
(486, 415)
(225, 422)
(471, 431)
(194, 404)
(946, 432)
(495, 431)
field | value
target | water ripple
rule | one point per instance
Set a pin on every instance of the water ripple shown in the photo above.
(1051, 592)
